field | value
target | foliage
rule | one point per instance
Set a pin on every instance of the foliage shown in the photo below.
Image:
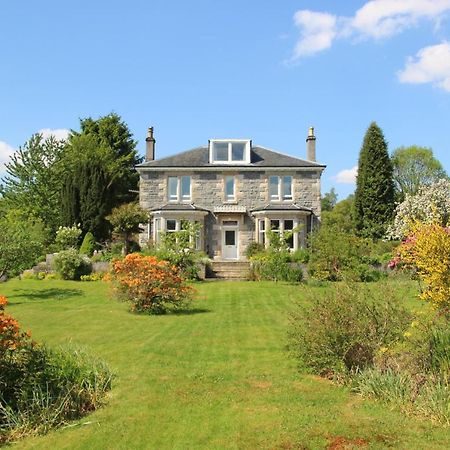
(42, 388)
(428, 250)
(178, 248)
(21, 242)
(374, 195)
(101, 159)
(88, 244)
(126, 220)
(329, 200)
(430, 204)
(336, 255)
(33, 179)
(254, 248)
(415, 167)
(346, 327)
(341, 216)
(70, 265)
(151, 285)
(275, 266)
(67, 237)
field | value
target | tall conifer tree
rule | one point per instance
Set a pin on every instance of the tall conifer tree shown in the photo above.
(374, 195)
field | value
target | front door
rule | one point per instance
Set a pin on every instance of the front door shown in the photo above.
(230, 243)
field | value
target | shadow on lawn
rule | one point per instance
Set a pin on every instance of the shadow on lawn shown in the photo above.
(190, 311)
(44, 294)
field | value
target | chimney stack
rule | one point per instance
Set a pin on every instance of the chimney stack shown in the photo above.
(311, 145)
(150, 145)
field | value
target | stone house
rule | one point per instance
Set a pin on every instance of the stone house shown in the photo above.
(236, 190)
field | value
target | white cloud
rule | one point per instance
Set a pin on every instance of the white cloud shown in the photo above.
(5, 152)
(375, 19)
(347, 176)
(58, 133)
(317, 32)
(430, 65)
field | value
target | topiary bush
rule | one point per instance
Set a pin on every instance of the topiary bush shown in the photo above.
(88, 244)
(70, 265)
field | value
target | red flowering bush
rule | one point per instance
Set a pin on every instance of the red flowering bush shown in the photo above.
(151, 285)
(11, 338)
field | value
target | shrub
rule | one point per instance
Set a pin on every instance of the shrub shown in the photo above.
(88, 244)
(41, 388)
(151, 285)
(345, 328)
(70, 265)
(275, 266)
(97, 276)
(300, 256)
(67, 237)
(253, 249)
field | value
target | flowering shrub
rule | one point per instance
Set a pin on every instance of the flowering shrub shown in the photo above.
(70, 265)
(430, 205)
(67, 237)
(151, 286)
(428, 251)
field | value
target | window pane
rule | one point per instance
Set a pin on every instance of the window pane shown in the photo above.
(230, 237)
(273, 187)
(229, 188)
(274, 225)
(171, 225)
(221, 151)
(288, 224)
(237, 151)
(185, 187)
(173, 187)
(262, 225)
(287, 187)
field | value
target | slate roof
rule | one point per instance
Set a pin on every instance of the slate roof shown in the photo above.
(260, 157)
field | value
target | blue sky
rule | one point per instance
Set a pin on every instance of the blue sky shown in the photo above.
(260, 69)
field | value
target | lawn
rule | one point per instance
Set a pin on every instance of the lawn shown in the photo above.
(219, 377)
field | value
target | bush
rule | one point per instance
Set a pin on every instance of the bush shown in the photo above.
(88, 244)
(70, 265)
(300, 256)
(41, 388)
(67, 237)
(275, 266)
(346, 327)
(151, 285)
(253, 249)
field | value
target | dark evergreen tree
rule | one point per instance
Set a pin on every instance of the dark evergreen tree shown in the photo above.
(374, 195)
(101, 159)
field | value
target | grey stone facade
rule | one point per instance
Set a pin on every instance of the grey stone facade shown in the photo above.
(248, 210)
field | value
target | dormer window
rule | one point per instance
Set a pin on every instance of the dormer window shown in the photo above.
(229, 151)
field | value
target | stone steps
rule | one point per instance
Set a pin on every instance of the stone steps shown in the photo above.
(228, 270)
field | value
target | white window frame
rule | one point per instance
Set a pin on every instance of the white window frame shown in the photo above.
(229, 142)
(179, 196)
(262, 238)
(229, 197)
(280, 195)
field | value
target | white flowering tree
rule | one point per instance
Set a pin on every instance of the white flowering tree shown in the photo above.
(430, 204)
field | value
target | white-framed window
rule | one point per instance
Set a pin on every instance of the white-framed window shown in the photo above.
(230, 188)
(179, 188)
(280, 188)
(277, 226)
(173, 225)
(229, 151)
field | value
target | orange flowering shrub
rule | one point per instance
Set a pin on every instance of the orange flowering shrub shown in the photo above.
(151, 285)
(11, 338)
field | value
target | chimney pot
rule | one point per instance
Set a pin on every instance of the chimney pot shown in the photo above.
(150, 145)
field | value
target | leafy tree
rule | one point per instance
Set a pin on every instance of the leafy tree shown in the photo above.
(328, 201)
(88, 244)
(341, 216)
(34, 177)
(374, 195)
(415, 167)
(101, 175)
(21, 242)
(125, 220)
